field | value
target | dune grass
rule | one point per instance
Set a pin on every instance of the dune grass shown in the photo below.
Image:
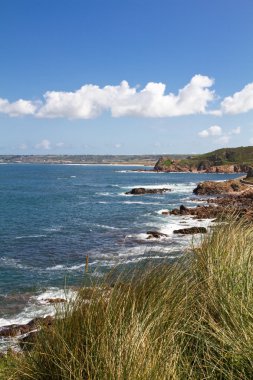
(189, 320)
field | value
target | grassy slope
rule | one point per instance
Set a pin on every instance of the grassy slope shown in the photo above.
(224, 156)
(192, 320)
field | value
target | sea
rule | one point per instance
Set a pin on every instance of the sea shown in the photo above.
(55, 217)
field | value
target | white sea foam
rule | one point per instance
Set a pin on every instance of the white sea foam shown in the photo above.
(140, 203)
(106, 194)
(53, 229)
(160, 212)
(106, 227)
(175, 187)
(12, 263)
(38, 307)
(61, 267)
(30, 236)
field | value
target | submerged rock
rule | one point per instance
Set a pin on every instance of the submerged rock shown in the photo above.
(191, 231)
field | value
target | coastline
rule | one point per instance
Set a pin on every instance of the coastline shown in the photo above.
(182, 221)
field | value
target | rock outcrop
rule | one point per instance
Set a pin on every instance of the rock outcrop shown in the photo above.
(216, 188)
(142, 191)
(165, 164)
(228, 198)
(191, 231)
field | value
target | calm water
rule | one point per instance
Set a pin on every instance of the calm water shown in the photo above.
(52, 216)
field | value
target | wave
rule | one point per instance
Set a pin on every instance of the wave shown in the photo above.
(106, 194)
(30, 236)
(38, 307)
(175, 187)
(12, 263)
(140, 203)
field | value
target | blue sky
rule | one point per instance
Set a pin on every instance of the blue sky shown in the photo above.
(125, 77)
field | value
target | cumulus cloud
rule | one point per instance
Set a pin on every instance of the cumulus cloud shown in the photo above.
(19, 108)
(122, 100)
(217, 132)
(239, 102)
(90, 100)
(43, 144)
(214, 130)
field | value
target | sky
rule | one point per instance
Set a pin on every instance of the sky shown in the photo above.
(125, 77)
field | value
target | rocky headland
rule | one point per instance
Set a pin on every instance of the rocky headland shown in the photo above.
(226, 160)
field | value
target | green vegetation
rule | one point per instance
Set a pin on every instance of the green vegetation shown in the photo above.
(7, 366)
(190, 320)
(167, 162)
(225, 156)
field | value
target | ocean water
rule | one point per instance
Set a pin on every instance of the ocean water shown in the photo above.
(52, 216)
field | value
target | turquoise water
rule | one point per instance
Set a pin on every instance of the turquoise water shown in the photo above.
(52, 216)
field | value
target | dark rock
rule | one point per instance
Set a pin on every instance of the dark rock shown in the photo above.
(54, 300)
(155, 234)
(191, 230)
(15, 330)
(175, 211)
(142, 190)
(183, 210)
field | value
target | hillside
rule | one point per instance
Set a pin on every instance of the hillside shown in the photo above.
(225, 160)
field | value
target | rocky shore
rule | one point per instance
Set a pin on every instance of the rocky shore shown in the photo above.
(221, 198)
(228, 197)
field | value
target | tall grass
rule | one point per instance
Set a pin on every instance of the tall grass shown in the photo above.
(189, 320)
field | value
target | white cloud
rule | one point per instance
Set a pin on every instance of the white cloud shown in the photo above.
(90, 101)
(239, 102)
(224, 140)
(236, 131)
(59, 144)
(19, 108)
(214, 130)
(117, 145)
(23, 146)
(44, 144)
(204, 133)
